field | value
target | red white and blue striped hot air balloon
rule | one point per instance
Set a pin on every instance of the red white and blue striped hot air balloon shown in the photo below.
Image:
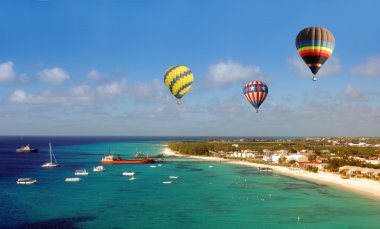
(255, 92)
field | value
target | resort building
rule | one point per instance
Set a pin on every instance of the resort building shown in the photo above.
(297, 158)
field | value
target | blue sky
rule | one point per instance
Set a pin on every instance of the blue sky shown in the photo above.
(96, 68)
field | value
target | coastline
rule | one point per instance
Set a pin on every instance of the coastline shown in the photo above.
(369, 188)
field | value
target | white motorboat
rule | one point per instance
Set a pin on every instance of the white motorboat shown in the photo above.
(81, 172)
(173, 177)
(128, 173)
(133, 178)
(51, 164)
(99, 168)
(153, 166)
(72, 179)
(26, 149)
(166, 182)
(26, 181)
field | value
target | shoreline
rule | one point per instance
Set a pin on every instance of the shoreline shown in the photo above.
(366, 187)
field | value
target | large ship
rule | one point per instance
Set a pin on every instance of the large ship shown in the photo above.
(26, 149)
(110, 159)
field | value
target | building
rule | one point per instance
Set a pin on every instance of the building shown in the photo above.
(297, 158)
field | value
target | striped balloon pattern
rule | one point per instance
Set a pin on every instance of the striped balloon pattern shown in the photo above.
(178, 79)
(315, 45)
(255, 92)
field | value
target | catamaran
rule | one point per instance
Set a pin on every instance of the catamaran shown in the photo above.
(51, 164)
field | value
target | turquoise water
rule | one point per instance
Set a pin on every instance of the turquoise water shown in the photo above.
(221, 196)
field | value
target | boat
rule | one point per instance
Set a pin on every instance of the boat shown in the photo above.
(132, 178)
(99, 168)
(128, 173)
(265, 169)
(51, 164)
(26, 181)
(81, 172)
(153, 166)
(344, 177)
(173, 177)
(26, 149)
(158, 155)
(110, 159)
(166, 182)
(72, 179)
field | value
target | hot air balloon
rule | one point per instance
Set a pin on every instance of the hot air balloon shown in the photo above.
(255, 92)
(178, 79)
(315, 45)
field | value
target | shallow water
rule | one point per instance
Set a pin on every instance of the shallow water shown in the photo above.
(221, 196)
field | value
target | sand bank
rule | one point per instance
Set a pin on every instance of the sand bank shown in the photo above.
(368, 187)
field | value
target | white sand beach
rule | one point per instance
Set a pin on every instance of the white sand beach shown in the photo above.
(367, 187)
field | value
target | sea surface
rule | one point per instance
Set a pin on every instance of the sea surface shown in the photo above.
(205, 195)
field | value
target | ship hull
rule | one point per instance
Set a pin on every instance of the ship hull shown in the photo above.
(26, 151)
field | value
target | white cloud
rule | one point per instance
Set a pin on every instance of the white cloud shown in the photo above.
(94, 74)
(149, 92)
(353, 92)
(79, 95)
(223, 73)
(371, 68)
(331, 67)
(7, 74)
(54, 75)
(112, 89)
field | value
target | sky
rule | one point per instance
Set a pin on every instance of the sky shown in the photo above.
(96, 68)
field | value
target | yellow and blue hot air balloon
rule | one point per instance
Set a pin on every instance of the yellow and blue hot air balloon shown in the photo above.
(315, 45)
(178, 79)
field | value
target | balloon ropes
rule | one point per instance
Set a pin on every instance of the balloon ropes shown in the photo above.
(178, 79)
(255, 92)
(315, 45)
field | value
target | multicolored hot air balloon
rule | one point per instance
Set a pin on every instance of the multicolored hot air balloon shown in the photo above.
(255, 92)
(178, 79)
(315, 45)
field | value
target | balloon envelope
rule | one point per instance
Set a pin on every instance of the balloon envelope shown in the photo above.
(178, 79)
(315, 45)
(255, 92)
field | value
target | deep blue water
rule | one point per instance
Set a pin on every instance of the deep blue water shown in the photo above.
(206, 195)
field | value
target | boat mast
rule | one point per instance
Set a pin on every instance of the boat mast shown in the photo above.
(51, 159)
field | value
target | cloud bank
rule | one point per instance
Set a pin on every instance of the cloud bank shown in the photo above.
(371, 68)
(54, 75)
(224, 73)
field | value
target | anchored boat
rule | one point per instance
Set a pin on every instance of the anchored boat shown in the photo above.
(26, 149)
(26, 181)
(50, 163)
(110, 159)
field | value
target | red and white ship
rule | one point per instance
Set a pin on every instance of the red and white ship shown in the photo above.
(110, 159)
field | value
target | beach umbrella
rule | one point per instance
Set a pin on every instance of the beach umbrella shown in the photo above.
(255, 92)
(178, 79)
(315, 45)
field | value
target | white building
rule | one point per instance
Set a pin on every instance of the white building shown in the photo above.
(277, 157)
(267, 158)
(297, 158)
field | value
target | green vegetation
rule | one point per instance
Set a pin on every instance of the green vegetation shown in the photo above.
(319, 148)
(311, 169)
(334, 156)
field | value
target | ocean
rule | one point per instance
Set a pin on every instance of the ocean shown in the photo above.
(205, 195)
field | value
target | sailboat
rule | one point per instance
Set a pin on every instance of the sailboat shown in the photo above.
(51, 163)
